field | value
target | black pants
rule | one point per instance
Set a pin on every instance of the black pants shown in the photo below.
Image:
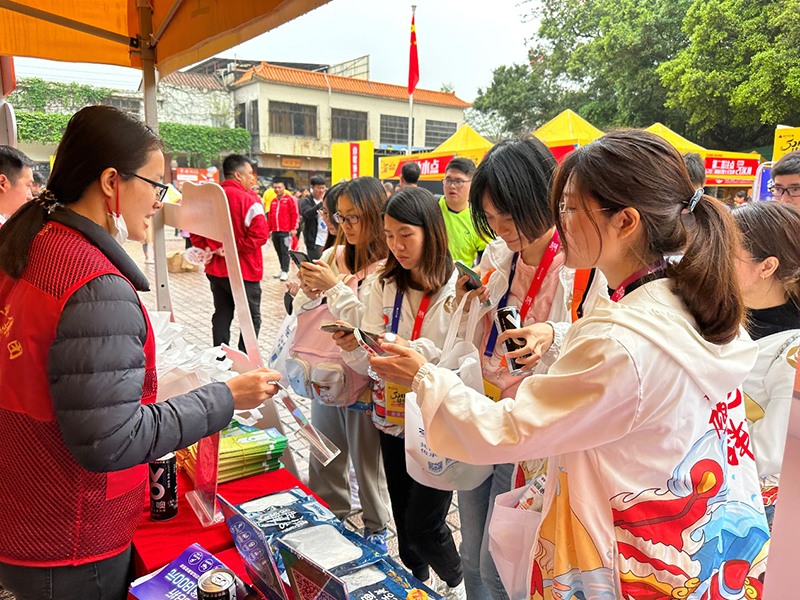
(420, 513)
(281, 240)
(224, 308)
(102, 580)
(313, 251)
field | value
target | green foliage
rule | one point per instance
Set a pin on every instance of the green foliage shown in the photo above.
(715, 71)
(197, 141)
(201, 141)
(37, 95)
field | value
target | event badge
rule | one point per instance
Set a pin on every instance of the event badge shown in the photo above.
(396, 403)
(492, 391)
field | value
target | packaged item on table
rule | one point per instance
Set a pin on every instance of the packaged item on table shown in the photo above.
(217, 584)
(164, 488)
(179, 579)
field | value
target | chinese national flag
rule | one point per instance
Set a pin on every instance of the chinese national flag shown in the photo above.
(413, 60)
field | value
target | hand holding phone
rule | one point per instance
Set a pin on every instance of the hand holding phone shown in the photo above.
(474, 281)
(334, 327)
(369, 343)
(298, 258)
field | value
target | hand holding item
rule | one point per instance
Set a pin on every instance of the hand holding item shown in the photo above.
(318, 275)
(537, 337)
(345, 341)
(400, 366)
(251, 389)
(391, 338)
(293, 287)
(461, 288)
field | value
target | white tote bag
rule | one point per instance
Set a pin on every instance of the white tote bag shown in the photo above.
(423, 465)
(512, 534)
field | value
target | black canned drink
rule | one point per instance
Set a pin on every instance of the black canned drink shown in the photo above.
(215, 584)
(508, 318)
(164, 488)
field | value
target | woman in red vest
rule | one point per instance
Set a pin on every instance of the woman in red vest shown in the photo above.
(78, 419)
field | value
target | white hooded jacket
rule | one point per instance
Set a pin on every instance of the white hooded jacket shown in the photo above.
(651, 486)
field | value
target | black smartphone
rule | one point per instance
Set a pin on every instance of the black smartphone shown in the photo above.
(474, 281)
(298, 257)
(369, 343)
(334, 327)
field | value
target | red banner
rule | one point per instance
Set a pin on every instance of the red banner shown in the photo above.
(413, 60)
(731, 167)
(354, 161)
(559, 152)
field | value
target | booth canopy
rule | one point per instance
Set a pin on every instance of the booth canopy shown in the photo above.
(108, 32)
(681, 143)
(567, 126)
(466, 138)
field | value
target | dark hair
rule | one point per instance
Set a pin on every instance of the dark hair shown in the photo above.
(330, 199)
(410, 172)
(389, 187)
(696, 168)
(233, 163)
(517, 175)
(39, 178)
(97, 138)
(459, 163)
(741, 194)
(417, 206)
(368, 197)
(770, 229)
(788, 164)
(12, 161)
(317, 180)
(637, 169)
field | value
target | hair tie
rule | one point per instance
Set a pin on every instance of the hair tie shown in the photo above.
(47, 200)
(698, 193)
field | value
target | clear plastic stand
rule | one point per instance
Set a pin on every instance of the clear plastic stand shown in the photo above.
(203, 499)
(320, 446)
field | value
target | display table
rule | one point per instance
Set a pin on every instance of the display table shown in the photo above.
(157, 543)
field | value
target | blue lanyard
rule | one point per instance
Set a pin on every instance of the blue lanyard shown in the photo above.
(398, 304)
(490, 344)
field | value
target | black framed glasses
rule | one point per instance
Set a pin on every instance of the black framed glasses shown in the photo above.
(160, 188)
(456, 183)
(340, 218)
(777, 192)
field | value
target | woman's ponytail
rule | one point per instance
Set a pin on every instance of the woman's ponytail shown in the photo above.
(16, 237)
(705, 278)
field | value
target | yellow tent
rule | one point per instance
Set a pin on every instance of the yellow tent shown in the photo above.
(162, 35)
(681, 143)
(567, 127)
(466, 138)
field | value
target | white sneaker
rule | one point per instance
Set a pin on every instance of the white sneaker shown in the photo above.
(458, 592)
(284, 276)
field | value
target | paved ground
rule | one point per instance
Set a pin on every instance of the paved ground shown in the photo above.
(193, 307)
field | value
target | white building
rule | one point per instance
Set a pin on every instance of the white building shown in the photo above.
(295, 115)
(194, 99)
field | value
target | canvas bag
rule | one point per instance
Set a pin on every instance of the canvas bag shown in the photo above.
(422, 464)
(512, 535)
(314, 365)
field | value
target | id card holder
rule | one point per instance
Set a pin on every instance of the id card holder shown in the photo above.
(492, 392)
(396, 403)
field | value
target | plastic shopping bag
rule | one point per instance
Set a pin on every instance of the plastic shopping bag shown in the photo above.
(512, 534)
(283, 341)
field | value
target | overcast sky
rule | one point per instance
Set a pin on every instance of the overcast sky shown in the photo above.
(457, 45)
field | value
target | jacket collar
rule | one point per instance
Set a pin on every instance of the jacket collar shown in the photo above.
(99, 238)
(233, 183)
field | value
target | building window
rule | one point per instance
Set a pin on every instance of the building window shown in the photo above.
(437, 132)
(394, 130)
(298, 120)
(241, 115)
(348, 125)
(129, 106)
(252, 117)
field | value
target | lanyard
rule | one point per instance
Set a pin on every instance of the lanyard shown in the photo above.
(423, 308)
(621, 290)
(544, 266)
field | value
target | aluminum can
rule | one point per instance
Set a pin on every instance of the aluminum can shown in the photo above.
(508, 318)
(216, 584)
(164, 488)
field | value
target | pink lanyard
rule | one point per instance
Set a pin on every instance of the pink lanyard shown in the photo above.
(619, 293)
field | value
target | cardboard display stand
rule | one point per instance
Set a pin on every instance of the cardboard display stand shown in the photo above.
(204, 211)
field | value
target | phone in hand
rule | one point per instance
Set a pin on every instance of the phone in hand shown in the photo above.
(334, 327)
(369, 343)
(474, 281)
(298, 257)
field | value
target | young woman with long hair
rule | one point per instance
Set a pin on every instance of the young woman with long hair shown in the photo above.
(342, 279)
(410, 299)
(78, 416)
(651, 486)
(768, 268)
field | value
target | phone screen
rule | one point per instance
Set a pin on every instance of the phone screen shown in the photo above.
(298, 257)
(369, 343)
(474, 281)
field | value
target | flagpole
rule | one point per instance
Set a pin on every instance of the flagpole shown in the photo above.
(411, 99)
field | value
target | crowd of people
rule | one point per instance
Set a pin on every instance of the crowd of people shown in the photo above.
(632, 443)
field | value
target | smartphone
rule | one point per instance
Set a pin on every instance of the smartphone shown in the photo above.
(298, 257)
(334, 327)
(369, 343)
(474, 281)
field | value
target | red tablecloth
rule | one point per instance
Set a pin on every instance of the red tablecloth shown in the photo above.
(158, 543)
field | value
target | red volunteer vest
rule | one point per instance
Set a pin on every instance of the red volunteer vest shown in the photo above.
(55, 512)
